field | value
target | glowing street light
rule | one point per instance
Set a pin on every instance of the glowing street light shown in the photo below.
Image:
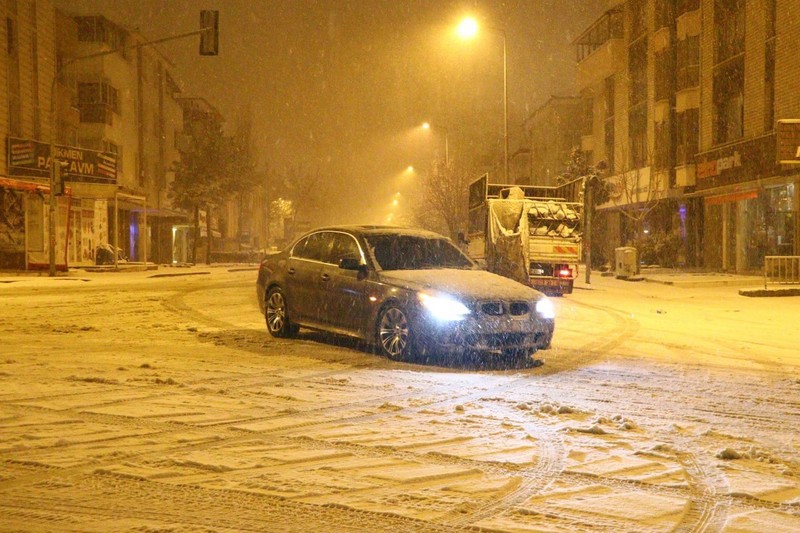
(429, 126)
(468, 29)
(410, 168)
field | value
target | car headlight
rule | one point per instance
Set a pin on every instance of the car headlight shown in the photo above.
(443, 307)
(545, 308)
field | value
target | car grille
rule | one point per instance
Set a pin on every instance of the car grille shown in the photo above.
(499, 308)
(497, 340)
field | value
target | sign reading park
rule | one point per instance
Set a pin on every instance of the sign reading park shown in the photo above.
(32, 158)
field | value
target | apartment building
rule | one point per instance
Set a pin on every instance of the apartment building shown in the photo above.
(27, 66)
(111, 121)
(551, 132)
(128, 108)
(686, 96)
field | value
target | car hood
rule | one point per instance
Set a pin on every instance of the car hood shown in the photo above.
(472, 284)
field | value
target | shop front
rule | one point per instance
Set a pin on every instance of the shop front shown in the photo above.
(81, 214)
(750, 205)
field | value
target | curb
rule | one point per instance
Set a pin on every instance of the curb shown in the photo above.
(176, 274)
(760, 293)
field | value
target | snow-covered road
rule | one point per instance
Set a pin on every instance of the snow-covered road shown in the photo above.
(132, 403)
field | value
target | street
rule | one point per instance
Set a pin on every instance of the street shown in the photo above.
(137, 403)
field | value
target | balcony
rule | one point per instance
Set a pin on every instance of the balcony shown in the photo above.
(606, 61)
(96, 113)
(607, 27)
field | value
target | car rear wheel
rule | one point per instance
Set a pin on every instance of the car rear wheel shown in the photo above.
(394, 333)
(278, 323)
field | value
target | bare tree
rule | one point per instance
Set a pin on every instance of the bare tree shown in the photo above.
(637, 190)
(442, 200)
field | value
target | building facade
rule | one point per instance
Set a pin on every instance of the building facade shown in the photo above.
(27, 66)
(128, 107)
(110, 121)
(551, 132)
(686, 98)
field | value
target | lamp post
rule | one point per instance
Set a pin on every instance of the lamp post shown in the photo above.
(468, 29)
(429, 126)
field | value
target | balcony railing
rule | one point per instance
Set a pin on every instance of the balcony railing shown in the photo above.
(96, 113)
(609, 26)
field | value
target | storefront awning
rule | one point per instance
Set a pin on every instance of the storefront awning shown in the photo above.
(29, 186)
(733, 197)
(20, 185)
(160, 212)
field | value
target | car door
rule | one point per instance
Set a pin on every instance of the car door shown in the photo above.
(303, 274)
(346, 290)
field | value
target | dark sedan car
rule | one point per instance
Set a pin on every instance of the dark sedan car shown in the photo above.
(409, 292)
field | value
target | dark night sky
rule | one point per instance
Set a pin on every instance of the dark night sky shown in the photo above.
(337, 86)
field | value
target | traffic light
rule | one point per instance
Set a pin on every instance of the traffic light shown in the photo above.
(209, 39)
(58, 177)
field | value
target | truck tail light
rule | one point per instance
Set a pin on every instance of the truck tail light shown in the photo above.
(564, 272)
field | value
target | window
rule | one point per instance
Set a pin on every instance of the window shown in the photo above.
(729, 101)
(684, 6)
(314, 247)
(686, 136)
(771, 18)
(689, 62)
(637, 126)
(609, 94)
(663, 76)
(343, 246)
(729, 29)
(609, 97)
(664, 13)
(662, 148)
(97, 102)
(638, 12)
(13, 86)
(769, 85)
(637, 66)
(100, 30)
(11, 35)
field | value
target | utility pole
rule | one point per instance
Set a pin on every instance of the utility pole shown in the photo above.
(587, 226)
(209, 45)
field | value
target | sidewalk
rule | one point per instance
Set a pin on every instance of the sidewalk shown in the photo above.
(748, 285)
(127, 271)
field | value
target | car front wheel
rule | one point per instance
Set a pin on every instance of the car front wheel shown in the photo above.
(278, 323)
(394, 334)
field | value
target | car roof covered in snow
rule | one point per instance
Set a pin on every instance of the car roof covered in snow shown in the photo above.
(367, 230)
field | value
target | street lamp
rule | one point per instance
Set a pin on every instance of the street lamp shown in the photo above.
(429, 126)
(468, 29)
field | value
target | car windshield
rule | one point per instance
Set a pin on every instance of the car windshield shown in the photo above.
(413, 252)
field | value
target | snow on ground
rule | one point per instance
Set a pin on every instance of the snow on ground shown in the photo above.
(138, 403)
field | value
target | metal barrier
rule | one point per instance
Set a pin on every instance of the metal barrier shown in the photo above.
(783, 269)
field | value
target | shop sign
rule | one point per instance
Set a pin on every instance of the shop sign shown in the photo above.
(32, 158)
(716, 166)
(789, 141)
(737, 163)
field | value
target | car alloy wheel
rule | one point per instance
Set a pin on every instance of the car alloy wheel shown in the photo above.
(393, 333)
(277, 321)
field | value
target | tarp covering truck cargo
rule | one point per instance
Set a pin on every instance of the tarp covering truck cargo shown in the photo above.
(529, 233)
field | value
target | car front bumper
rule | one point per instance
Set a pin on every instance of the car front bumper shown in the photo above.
(489, 336)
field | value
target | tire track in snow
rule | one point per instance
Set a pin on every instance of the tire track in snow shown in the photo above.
(107, 500)
(602, 345)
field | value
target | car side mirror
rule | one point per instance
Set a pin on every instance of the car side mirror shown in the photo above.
(350, 263)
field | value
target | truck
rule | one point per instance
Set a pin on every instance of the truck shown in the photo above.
(530, 233)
